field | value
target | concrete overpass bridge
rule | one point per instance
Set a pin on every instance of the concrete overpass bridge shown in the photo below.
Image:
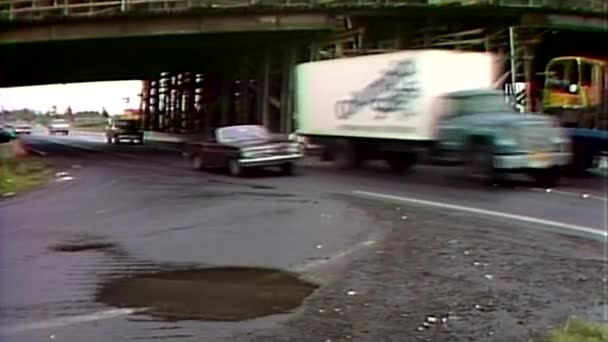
(213, 62)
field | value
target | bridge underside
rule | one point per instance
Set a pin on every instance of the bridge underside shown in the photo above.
(197, 80)
(136, 57)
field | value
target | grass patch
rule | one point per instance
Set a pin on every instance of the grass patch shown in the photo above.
(578, 330)
(22, 174)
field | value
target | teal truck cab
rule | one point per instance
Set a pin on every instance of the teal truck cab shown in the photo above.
(481, 130)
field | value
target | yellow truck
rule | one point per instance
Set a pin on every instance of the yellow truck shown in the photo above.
(576, 92)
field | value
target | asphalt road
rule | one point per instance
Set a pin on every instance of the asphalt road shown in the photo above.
(159, 214)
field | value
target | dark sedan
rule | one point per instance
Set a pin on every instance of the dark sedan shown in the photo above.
(124, 129)
(243, 147)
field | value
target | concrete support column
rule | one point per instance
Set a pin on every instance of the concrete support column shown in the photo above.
(154, 108)
(287, 89)
(263, 91)
(225, 96)
(146, 103)
(531, 90)
(314, 51)
(173, 98)
(164, 100)
(243, 106)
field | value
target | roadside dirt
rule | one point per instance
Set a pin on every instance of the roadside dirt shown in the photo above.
(448, 276)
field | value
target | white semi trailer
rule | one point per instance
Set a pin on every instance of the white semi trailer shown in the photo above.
(397, 106)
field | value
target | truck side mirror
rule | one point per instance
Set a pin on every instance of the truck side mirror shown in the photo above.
(573, 88)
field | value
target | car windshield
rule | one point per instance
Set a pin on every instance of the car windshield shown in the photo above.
(58, 122)
(241, 133)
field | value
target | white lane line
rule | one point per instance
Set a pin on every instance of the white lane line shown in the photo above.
(566, 226)
(70, 320)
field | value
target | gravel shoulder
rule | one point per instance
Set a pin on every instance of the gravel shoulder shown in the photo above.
(491, 281)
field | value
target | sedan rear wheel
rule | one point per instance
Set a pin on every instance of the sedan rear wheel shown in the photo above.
(287, 168)
(235, 168)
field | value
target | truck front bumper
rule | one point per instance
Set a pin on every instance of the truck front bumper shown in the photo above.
(269, 161)
(541, 160)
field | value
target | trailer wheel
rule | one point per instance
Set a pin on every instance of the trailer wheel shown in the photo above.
(326, 154)
(400, 162)
(345, 154)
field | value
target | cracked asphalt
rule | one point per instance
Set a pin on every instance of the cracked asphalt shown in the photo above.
(382, 267)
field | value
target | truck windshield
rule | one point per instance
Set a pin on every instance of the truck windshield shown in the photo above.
(561, 74)
(490, 103)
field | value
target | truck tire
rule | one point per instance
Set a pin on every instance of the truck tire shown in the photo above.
(582, 159)
(547, 178)
(401, 162)
(480, 163)
(345, 154)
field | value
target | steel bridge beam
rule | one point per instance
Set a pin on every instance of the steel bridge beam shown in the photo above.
(121, 27)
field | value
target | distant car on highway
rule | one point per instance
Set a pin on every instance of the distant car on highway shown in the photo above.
(59, 126)
(22, 128)
(243, 147)
(6, 133)
(119, 130)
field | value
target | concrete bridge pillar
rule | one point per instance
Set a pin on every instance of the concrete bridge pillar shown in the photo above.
(287, 90)
(226, 81)
(263, 87)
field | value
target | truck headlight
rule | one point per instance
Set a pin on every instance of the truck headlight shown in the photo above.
(506, 141)
(561, 141)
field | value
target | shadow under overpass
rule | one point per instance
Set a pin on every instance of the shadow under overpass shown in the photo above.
(106, 59)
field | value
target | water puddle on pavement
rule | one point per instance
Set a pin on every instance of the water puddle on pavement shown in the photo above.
(211, 294)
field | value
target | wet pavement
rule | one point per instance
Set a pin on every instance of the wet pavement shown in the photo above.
(136, 216)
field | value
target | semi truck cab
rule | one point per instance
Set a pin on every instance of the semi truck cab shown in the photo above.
(576, 93)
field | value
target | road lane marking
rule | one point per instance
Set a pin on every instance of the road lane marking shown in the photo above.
(586, 231)
(70, 320)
